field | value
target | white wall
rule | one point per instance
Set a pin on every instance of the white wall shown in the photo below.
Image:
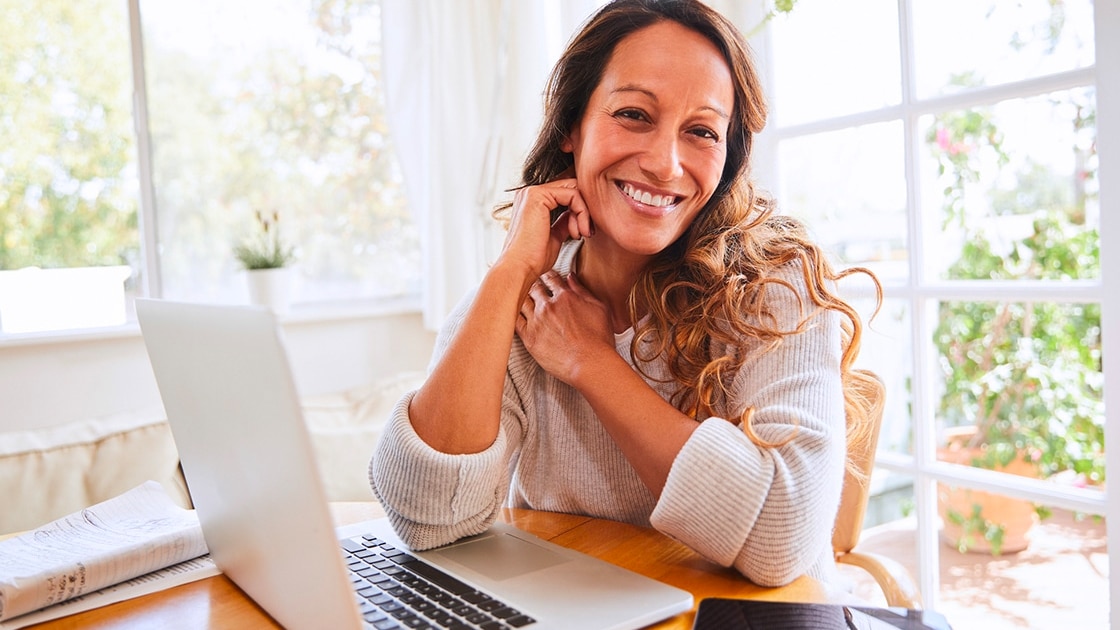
(49, 382)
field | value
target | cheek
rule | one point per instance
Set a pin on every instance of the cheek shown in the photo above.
(709, 170)
(715, 169)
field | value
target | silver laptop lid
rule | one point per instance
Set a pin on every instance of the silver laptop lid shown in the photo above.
(234, 411)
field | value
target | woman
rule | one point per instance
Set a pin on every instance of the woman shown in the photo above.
(652, 345)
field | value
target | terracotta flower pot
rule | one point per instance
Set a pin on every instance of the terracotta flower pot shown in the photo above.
(1016, 516)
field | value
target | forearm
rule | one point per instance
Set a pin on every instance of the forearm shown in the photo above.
(458, 408)
(649, 431)
(434, 498)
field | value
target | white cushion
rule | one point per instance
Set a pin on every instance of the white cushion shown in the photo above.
(49, 473)
(344, 429)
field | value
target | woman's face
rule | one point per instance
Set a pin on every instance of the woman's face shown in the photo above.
(651, 145)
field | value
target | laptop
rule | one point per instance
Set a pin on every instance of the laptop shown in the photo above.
(246, 454)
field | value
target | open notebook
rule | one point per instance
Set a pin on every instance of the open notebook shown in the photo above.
(234, 411)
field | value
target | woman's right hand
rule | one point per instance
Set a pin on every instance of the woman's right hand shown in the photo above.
(532, 241)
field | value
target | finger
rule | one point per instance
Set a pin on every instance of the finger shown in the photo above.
(552, 282)
(578, 209)
(573, 226)
(538, 292)
(520, 324)
(575, 286)
(562, 229)
(525, 311)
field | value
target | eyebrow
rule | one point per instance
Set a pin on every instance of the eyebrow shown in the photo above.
(635, 88)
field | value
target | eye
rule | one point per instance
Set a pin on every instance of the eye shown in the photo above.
(631, 114)
(705, 133)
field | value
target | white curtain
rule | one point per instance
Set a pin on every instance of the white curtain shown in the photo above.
(463, 84)
(439, 61)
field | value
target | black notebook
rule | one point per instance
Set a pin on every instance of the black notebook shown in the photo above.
(744, 614)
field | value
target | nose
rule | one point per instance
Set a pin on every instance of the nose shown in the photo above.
(662, 158)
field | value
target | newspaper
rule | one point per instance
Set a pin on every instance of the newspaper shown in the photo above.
(136, 543)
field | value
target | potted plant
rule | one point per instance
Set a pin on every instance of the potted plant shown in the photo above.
(266, 257)
(1023, 381)
(1023, 390)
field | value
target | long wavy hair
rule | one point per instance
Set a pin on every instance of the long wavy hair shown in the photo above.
(705, 290)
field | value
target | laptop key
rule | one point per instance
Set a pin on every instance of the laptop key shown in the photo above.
(478, 617)
(505, 612)
(473, 596)
(488, 604)
(352, 545)
(443, 580)
(520, 621)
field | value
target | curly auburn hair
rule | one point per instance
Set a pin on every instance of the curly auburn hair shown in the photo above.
(706, 289)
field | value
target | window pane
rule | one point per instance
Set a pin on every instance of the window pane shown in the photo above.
(850, 187)
(830, 59)
(286, 119)
(1022, 388)
(1059, 580)
(887, 350)
(964, 43)
(68, 191)
(1010, 191)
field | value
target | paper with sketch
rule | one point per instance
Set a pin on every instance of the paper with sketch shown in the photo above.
(128, 536)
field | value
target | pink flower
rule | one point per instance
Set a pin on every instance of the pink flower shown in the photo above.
(943, 138)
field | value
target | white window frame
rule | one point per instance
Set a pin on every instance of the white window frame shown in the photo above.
(923, 467)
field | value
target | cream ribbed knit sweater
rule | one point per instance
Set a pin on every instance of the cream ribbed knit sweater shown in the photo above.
(766, 511)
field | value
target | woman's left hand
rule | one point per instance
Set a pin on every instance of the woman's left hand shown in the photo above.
(563, 326)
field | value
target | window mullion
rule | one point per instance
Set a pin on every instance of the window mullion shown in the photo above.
(1106, 17)
(925, 493)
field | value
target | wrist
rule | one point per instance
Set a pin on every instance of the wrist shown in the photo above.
(596, 368)
(513, 273)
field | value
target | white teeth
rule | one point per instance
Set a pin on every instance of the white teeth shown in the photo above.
(647, 198)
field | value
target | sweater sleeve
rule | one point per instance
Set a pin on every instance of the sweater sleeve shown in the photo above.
(767, 511)
(434, 498)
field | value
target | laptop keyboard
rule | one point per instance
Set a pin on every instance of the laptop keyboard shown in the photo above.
(395, 590)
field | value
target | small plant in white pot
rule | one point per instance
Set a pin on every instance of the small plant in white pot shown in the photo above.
(266, 258)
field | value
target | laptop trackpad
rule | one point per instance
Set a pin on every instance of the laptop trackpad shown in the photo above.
(501, 556)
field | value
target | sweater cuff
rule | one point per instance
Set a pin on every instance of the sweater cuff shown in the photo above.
(431, 487)
(705, 503)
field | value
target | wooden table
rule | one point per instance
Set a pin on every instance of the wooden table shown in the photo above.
(216, 602)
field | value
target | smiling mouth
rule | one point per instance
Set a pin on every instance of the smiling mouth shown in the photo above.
(648, 198)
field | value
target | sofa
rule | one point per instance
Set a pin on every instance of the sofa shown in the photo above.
(48, 473)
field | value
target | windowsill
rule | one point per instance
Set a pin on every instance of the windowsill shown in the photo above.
(300, 314)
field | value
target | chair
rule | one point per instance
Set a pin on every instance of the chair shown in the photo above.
(890, 575)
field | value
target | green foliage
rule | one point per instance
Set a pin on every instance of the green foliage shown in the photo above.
(264, 128)
(265, 249)
(975, 525)
(779, 7)
(1027, 375)
(67, 168)
(234, 127)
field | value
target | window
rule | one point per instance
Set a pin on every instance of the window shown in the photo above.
(952, 149)
(284, 118)
(69, 243)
